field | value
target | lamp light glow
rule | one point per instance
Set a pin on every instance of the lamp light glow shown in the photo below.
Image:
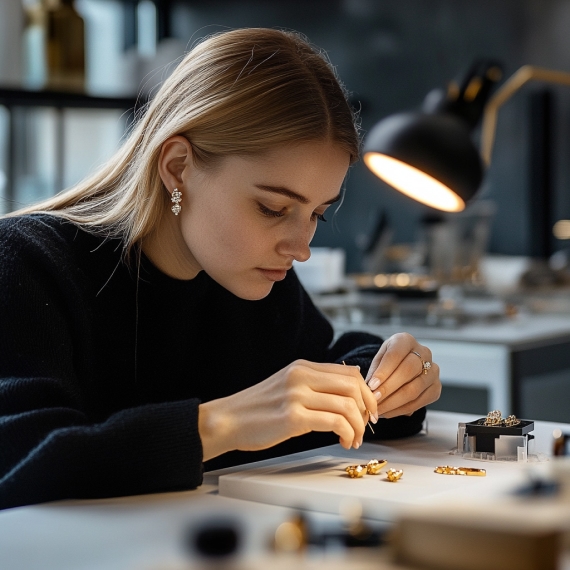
(413, 182)
(429, 155)
(561, 229)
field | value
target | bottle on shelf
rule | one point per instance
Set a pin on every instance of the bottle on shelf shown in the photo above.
(54, 44)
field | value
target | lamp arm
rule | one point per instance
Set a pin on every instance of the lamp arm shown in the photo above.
(521, 77)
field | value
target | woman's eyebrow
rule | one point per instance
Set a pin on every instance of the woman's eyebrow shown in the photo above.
(293, 195)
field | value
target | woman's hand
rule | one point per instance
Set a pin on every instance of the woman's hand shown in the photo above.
(303, 397)
(397, 378)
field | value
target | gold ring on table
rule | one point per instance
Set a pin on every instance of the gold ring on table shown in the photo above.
(426, 364)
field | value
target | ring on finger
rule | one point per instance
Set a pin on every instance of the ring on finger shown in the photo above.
(426, 364)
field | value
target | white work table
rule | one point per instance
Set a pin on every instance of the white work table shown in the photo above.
(145, 532)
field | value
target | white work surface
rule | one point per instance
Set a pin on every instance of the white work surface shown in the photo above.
(145, 532)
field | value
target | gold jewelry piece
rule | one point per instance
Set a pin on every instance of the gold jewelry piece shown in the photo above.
(176, 198)
(495, 419)
(394, 475)
(426, 364)
(511, 421)
(374, 466)
(356, 471)
(469, 471)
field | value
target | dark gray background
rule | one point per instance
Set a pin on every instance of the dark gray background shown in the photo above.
(390, 53)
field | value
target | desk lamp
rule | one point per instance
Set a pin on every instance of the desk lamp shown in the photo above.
(429, 155)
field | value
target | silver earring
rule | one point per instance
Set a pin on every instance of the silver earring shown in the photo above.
(176, 198)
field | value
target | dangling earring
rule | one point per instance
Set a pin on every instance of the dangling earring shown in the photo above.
(176, 198)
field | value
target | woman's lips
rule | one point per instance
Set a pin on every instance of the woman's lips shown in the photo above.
(274, 274)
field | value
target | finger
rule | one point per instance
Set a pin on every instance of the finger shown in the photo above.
(336, 379)
(391, 353)
(328, 367)
(431, 394)
(341, 405)
(409, 369)
(406, 392)
(317, 420)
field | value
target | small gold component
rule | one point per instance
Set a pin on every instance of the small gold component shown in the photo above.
(356, 471)
(472, 472)
(494, 418)
(469, 471)
(394, 475)
(512, 421)
(374, 466)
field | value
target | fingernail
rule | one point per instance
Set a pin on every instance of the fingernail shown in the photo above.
(374, 418)
(358, 367)
(356, 445)
(373, 383)
(377, 395)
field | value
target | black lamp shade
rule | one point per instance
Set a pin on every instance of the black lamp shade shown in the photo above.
(438, 145)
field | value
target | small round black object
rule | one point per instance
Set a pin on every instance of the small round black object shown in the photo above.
(216, 540)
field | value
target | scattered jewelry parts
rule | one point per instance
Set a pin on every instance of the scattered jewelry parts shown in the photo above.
(355, 471)
(373, 467)
(495, 419)
(469, 471)
(394, 475)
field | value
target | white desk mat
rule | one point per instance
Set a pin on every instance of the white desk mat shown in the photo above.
(320, 484)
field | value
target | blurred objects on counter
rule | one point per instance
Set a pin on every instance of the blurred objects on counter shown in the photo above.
(454, 244)
(404, 299)
(324, 271)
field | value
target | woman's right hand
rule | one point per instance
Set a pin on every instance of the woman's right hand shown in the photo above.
(300, 398)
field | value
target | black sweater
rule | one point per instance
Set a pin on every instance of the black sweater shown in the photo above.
(103, 365)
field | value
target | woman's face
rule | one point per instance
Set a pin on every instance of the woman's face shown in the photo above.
(245, 221)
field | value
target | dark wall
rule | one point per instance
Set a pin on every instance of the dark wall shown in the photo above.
(390, 53)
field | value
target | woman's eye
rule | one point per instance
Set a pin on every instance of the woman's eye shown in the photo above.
(320, 217)
(271, 213)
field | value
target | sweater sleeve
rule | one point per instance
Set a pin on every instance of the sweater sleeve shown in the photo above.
(51, 447)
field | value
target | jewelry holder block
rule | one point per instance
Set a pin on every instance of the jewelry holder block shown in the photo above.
(504, 442)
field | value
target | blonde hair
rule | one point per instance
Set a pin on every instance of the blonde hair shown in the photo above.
(239, 92)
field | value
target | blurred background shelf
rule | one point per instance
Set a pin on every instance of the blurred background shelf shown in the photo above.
(10, 97)
(55, 125)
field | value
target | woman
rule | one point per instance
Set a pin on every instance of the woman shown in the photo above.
(150, 320)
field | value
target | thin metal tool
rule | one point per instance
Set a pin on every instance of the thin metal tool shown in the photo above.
(367, 410)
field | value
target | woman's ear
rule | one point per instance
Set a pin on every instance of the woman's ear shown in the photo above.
(175, 157)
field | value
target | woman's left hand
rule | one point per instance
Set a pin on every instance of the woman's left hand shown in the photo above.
(398, 379)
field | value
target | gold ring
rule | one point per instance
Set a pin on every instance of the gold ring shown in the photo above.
(426, 364)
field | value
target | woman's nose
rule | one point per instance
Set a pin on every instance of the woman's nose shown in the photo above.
(296, 245)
